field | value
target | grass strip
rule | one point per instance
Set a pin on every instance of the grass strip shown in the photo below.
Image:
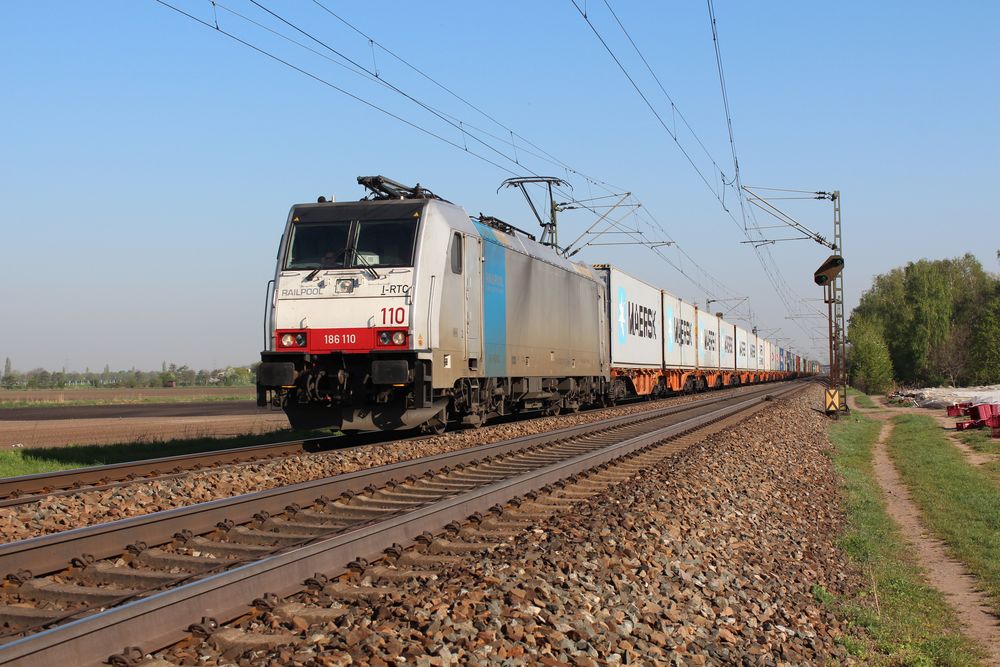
(123, 400)
(959, 502)
(905, 621)
(45, 459)
(862, 399)
(980, 440)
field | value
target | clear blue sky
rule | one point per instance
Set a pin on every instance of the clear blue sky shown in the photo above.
(147, 163)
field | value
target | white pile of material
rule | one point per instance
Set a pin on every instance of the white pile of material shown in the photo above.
(940, 397)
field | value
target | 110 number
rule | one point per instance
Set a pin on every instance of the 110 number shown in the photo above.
(393, 316)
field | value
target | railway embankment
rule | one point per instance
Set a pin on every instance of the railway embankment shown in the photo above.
(56, 513)
(726, 552)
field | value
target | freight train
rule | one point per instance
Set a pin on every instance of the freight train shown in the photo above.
(402, 311)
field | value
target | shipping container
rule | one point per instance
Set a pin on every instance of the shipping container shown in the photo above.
(709, 347)
(635, 321)
(679, 342)
(742, 349)
(727, 350)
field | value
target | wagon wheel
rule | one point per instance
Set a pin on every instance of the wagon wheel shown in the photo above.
(437, 424)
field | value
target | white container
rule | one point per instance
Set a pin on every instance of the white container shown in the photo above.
(635, 320)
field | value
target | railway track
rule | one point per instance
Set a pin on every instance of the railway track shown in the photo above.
(148, 579)
(27, 489)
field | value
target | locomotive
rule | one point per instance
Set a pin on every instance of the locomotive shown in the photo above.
(401, 311)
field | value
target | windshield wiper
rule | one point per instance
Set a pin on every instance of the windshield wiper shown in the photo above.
(336, 256)
(368, 266)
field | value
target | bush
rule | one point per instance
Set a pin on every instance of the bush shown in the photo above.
(869, 364)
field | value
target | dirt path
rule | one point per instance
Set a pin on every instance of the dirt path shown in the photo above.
(59, 432)
(942, 571)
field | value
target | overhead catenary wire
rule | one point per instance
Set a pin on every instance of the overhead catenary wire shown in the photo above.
(772, 272)
(725, 105)
(330, 84)
(477, 108)
(646, 101)
(360, 69)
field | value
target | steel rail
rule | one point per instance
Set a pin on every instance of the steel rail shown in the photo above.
(26, 489)
(161, 619)
(51, 553)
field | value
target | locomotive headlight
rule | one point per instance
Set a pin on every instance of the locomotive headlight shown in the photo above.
(384, 338)
(398, 338)
(293, 340)
(344, 286)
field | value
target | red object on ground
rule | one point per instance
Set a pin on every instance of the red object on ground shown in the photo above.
(958, 409)
(983, 411)
(966, 425)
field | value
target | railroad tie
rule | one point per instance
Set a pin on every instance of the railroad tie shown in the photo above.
(231, 642)
(445, 546)
(253, 536)
(313, 615)
(428, 560)
(20, 617)
(46, 590)
(394, 574)
(158, 558)
(301, 529)
(104, 572)
(205, 545)
(345, 591)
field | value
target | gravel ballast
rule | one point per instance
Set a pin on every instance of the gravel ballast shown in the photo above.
(711, 556)
(54, 514)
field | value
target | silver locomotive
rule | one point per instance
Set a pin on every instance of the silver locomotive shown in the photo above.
(401, 311)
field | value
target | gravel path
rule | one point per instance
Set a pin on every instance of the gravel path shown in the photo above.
(58, 513)
(709, 556)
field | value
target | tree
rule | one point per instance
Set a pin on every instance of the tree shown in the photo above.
(925, 313)
(950, 358)
(869, 364)
(11, 378)
(986, 343)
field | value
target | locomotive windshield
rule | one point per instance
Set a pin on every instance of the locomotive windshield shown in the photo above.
(351, 243)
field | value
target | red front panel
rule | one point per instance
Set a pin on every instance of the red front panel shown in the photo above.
(320, 341)
(330, 340)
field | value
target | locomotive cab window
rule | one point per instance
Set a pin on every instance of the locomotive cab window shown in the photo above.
(354, 244)
(318, 246)
(456, 253)
(384, 243)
